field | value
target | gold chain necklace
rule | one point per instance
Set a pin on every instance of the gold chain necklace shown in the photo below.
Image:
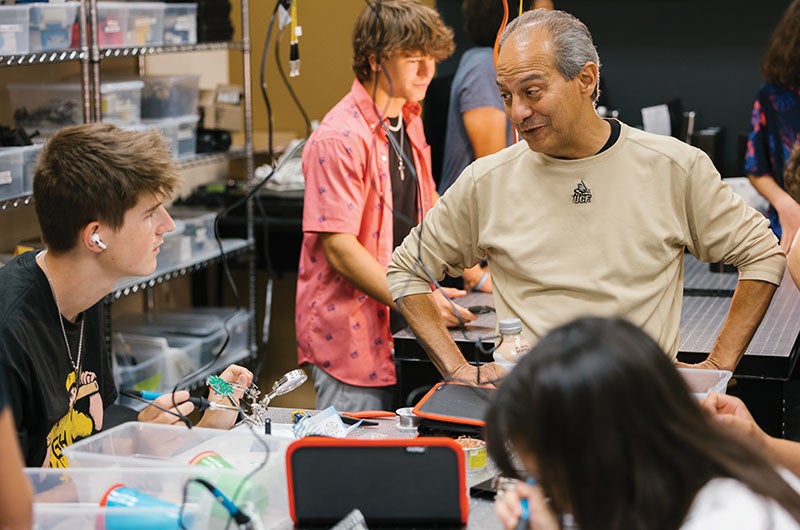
(76, 364)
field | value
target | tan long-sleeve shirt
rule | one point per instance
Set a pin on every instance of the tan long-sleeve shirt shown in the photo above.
(602, 235)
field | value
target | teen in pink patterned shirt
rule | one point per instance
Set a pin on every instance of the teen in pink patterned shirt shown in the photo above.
(361, 199)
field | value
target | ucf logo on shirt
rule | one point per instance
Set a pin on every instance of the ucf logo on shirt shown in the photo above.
(581, 194)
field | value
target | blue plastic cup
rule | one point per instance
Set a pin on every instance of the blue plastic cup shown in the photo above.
(151, 512)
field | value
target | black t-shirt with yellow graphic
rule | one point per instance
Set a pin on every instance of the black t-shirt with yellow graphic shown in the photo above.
(53, 407)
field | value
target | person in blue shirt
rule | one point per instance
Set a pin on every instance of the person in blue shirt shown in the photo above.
(476, 120)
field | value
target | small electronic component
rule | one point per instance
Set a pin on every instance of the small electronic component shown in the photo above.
(220, 386)
(298, 414)
(252, 399)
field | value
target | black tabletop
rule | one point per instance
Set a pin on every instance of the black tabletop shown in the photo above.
(771, 354)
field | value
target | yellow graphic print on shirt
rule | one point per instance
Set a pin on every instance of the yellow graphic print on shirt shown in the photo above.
(75, 424)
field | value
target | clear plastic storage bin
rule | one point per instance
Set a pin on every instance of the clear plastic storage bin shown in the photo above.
(139, 444)
(74, 498)
(198, 225)
(145, 23)
(180, 133)
(153, 363)
(149, 446)
(701, 382)
(14, 36)
(169, 96)
(122, 24)
(49, 107)
(51, 25)
(121, 101)
(175, 250)
(30, 155)
(180, 24)
(205, 324)
(11, 172)
(112, 24)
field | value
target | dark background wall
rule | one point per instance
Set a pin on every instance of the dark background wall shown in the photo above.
(705, 52)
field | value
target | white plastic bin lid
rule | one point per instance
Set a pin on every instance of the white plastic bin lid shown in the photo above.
(113, 86)
(16, 7)
(177, 120)
(11, 154)
(150, 6)
(70, 86)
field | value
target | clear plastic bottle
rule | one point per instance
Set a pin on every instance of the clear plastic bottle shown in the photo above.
(513, 345)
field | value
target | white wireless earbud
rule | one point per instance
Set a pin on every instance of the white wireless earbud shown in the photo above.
(97, 241)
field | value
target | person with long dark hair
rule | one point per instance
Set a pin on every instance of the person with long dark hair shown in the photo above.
(607, 428)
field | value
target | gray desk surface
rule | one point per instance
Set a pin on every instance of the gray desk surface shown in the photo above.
(484, 328)
(699, 279)
(481, 512)
(771, 354)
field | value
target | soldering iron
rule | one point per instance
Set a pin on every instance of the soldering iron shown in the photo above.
(200, 403)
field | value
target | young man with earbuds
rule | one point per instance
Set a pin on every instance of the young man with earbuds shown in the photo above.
(98, 193)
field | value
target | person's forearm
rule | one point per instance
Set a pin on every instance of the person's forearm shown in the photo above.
(793, 261)
(770, 190)
(350, 259)
(750, 301)
(15, 490)
(785, 453)
(486, 130)
(422, 315)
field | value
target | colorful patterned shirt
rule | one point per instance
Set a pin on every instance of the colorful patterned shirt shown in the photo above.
(775, 128)
(348, 190)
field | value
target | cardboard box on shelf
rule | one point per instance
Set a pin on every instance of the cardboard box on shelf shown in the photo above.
(222, 108)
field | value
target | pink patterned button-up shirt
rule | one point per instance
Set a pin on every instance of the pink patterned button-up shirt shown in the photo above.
(348, 190)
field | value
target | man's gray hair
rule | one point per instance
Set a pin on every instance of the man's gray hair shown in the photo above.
(570, 37)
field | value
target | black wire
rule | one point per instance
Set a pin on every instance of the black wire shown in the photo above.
(226, 268)
(252, 473)
(267, 265)
(289, 85)
(248, 477)
(263, 82)
(224, 345)
(236, 204)
(228, 275)
(376, 8)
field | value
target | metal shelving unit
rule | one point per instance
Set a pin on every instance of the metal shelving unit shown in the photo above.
(230, 249)
(18, 202)
(198, 160)
(46, 57)
(202, 159)
(90, 55)
(107, 53)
